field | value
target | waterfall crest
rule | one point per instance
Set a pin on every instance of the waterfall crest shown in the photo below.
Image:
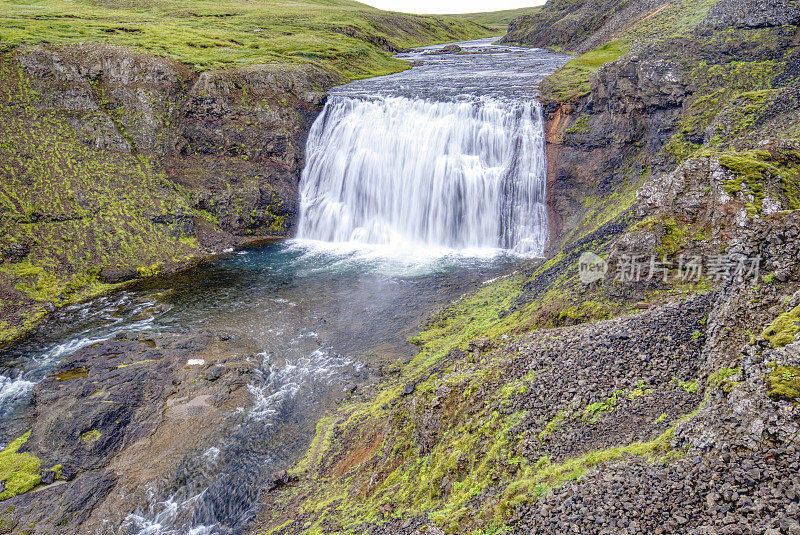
(422, 173)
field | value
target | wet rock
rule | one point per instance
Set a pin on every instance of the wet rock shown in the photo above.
(48, 477)
(279, 479)
(68, 473)
(215, 372)
(113, 275)
(449, 49)
(130, 389)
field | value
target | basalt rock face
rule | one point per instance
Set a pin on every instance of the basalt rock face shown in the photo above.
(579, 27)
(632, 109)
(727, 85)
(234, 139)
(752, 14)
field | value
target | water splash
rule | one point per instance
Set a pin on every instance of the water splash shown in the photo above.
(413, 173)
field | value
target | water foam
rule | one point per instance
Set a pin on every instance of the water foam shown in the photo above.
(416, 173)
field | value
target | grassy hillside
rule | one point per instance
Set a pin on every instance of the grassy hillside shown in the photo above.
(354, 39)
(497, 20)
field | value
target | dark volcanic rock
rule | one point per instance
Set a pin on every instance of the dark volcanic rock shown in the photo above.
(114, 275)
(580, 27)
(120, 414)
(752, 14)
(234, 138)
(450, 49)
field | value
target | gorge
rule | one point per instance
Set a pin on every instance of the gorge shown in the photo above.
(302, 317)
(426, 354)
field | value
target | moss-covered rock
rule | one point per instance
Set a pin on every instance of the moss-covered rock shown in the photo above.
(783, 330)
(783, 383)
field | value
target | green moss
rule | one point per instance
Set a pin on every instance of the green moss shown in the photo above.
(552, 424)
(93, 435)
(74, 373)
(674, 238)
(690, 386)
(20, 471)
(513, 389)
(189, 241)
(148, 271)
(730, 103)
(783, 383)
(589, 310)
(136, 363)
(639, 390)
(593, 411)
(722, 377)
(783, 330)
(539, 479)
(751, 173)
(581, 126)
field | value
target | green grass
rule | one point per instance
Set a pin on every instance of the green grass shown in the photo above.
(496, 20)
(20, 471)
(572, 80)
(340, 34)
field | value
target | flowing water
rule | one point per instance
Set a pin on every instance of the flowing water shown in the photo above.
(449, 154)
(418, 187)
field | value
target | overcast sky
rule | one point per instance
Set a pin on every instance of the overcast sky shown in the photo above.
(450, 6)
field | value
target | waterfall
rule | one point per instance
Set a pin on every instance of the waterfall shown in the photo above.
(422, 173)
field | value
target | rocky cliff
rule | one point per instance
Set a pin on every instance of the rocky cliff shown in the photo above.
(118, 164)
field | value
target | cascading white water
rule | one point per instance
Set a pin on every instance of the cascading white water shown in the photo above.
(415, 172)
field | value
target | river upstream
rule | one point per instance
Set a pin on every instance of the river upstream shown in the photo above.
(419, 186)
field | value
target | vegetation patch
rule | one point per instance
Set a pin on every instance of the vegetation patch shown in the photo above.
(93, 435)
(543, 476)
(783, 383)
(346, 36)
(724, 378)
(20, 471)
(782, 331)
(74, 373)
(572, 80)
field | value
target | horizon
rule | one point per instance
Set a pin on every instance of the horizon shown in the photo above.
(450, 7)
